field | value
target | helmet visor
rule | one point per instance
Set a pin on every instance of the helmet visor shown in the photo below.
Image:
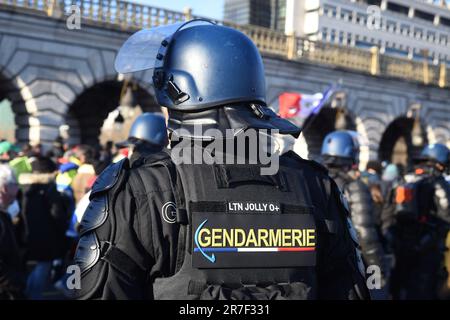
(139, 51)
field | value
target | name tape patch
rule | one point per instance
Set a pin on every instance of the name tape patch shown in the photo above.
(240, 241)
(253, 207)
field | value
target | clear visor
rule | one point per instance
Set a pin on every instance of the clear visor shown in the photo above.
(139, 51)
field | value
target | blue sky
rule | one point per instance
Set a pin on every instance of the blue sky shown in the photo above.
(207, 8)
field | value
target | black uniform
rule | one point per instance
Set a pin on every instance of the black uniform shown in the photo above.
(145, 231)
(361, 208)
(12, 277)
(166, 229)
(417, 237)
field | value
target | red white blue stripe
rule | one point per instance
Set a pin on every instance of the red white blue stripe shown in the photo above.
(269, 249)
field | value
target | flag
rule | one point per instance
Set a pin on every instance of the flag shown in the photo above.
(325, 98)
(289, 104)
(299, 105)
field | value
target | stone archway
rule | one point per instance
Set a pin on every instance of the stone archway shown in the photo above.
(402, 140)
(91, 108)
(14, 122)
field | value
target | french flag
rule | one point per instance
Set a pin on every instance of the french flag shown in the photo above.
(299, 105)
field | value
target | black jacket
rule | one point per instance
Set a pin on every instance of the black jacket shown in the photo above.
(431, 206)
(12, 277)
(45, 215)
(129, 238)
(362, 213)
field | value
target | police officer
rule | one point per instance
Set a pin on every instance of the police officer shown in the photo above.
(418, 226)
(340, 153)
(148, 134)
(171, 229)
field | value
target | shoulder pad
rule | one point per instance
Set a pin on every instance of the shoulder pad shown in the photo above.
(88, 252)
(312, 163)
(95, 214)
(108, 178)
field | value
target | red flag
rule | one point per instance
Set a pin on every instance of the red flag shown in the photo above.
(289, 104)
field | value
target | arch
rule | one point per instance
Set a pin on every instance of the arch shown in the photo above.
(10, 97)
(87, 113)
(364, 149)
(402, 141)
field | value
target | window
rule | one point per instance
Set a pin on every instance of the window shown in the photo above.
(424, 15)
(397, 52)
(418, 33)
(391, 25)
(420, 56)
(361, 18)
(346, 14)
(341, 37)
(370, 2)
(431, 36)
(374, 2)
(397, 8)
(329, 11)
(443, 40)
(333, 12)
(363, 44)
(404, 29)
(349, 38)
(445, 21)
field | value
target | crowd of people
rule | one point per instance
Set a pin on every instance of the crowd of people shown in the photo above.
(43, 192)
(149, 226)
(45, 196)
(402, 216)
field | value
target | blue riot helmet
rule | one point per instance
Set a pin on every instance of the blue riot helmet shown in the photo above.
(341, 147)
(437, 152)
(149, 128)
(204, 73)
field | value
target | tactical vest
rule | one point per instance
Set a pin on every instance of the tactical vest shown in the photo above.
(362, 215)
(406, 206)
(416, 229)
(243, 235)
